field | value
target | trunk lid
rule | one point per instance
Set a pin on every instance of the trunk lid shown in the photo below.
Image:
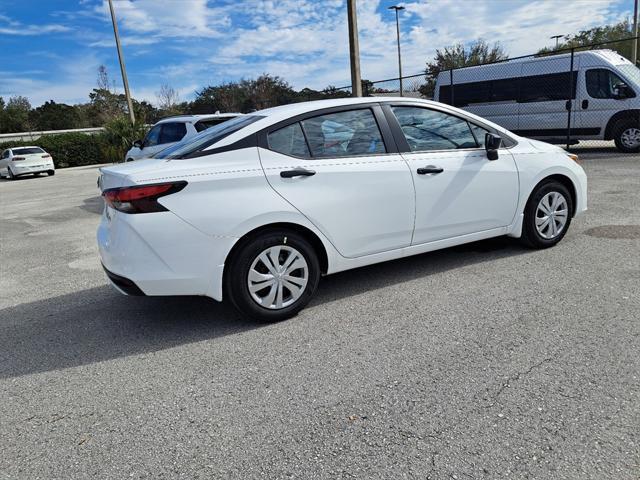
(33, 159)
(119, 175)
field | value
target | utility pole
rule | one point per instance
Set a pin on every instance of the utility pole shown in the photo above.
(557, 37)
(634, 45)
(354, 49)
(397, 8)
(122, 67)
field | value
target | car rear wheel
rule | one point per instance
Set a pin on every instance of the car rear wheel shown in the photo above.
(51, 173)
(272, 277)
(10, 174)
(547, 215)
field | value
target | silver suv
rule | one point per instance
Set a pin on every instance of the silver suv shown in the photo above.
(171, 130)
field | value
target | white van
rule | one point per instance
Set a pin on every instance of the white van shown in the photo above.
(531, 96)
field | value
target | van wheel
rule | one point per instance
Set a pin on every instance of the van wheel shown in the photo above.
(272, 277)
(547, 215)
(626, 135)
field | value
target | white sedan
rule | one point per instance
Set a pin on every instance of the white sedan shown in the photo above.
(25, 160)
(256, 209)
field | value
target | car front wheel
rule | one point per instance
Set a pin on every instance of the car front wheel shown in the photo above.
(626, 136)
(547, 215)
(272, 277)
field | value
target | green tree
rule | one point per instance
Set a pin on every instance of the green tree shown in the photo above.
(607, 33)
(457, 56)
(15, 117)
(54, 116)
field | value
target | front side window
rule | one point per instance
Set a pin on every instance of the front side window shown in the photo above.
(427, 129)
(289, 141)
(354, 132)
(153, 137)
(172, 132)
(479, 133)
(601, 83)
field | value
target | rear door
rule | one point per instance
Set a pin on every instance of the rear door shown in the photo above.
(340, 168)
(547, 91)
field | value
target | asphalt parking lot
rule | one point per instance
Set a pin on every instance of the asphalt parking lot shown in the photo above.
(481, 361)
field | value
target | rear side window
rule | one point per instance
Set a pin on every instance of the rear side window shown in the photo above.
(195, 146)
(204, 124)
(26, 151)
(427, 129)
(547, 88)
(350, 133)
(289, 141)
(172, 132)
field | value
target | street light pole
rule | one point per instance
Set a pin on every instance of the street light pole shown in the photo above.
(354, 49)
(125, 81)
(557, 37)
(397, 8)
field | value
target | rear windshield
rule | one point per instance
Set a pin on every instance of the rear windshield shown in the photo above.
(26, 150)
(207, 137)
(204, 124)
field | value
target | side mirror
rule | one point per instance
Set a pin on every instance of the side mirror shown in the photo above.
(622, 91)
(138, 144)
(492, 143)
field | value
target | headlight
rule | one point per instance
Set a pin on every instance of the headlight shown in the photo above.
(573, 157)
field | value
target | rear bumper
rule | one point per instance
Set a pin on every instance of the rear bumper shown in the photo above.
(123, 284)
(25, 169)
(161, 254)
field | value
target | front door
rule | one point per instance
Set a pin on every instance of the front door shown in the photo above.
(458, 190)
(598, 100)
(336, 169)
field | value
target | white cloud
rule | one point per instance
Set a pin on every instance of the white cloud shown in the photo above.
(9, 26)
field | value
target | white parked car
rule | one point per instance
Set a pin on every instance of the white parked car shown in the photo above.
(255, 210)
(18, 161)
(169, 131)
(530, 97)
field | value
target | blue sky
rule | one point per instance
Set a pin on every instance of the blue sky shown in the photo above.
(51, 49)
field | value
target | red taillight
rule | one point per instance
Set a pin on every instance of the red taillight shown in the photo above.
(15, 159)
(141, 199)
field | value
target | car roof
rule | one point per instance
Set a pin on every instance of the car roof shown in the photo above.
(195, 118)
(271, 116)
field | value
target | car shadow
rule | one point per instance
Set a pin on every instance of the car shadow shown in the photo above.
(93, 205)
(100, 324)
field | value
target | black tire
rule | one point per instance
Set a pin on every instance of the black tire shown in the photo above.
(618, 131)
(10, 174)
(51, 173)
(237, 271)
(530, 235)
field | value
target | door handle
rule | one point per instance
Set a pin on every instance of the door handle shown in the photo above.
(430, 169)
(297, 172)
(585, 104)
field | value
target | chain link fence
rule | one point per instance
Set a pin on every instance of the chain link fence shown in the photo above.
(581, 97)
